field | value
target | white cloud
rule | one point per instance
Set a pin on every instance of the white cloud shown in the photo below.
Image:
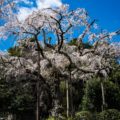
(24, 11)
(48, 3)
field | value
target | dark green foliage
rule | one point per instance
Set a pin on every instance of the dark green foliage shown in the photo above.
(5, 95)
(86, 103)
(115, 76)
(14, 51)
(112, 95)
(15, 97)
(92, 96)
(32, 39)
(110, 114)
(92, 99)
(75, 42)
(23, 99)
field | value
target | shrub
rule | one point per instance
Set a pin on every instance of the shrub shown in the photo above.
(51, 118)
(55, 118)
(84, 115)
(111, 114)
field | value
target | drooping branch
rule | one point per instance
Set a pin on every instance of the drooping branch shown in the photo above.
(103, 37)
(38, 45)
(81, 37)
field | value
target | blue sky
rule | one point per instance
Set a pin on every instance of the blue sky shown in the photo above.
(107, 12)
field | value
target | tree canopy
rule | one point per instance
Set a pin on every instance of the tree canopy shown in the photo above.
(39, 63)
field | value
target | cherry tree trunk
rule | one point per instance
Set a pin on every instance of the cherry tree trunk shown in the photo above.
(103, 96)
(37, 102)
(67, 97)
